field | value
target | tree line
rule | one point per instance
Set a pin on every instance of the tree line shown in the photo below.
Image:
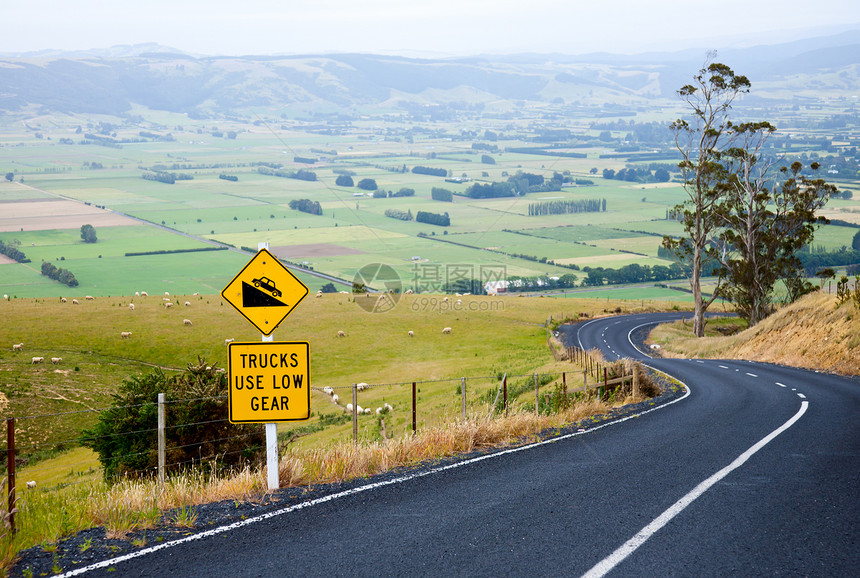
(64, 276)
(11, 250)
(306, 206)
(567, 207)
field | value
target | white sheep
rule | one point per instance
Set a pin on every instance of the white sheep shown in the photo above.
(18, 346)
(75, 301)
(188, 303)
(387, 407)
(166, 293)
(89, 298)
(5, 297)
(62, 299)
(349, 407)
(144, 294)
(31, 485)
(378, 411)
(196, 293)
(131, 306)
(444, 300)
(446, 330)
(335, 398)
(367, 410)
(37, 360)
(125, 335)
(187, 322)
(341, 334)
(168, 305)
(361, 386)
(411, 334)
(319, 295)
(137, 293)
(359, 409)
(165, 299)
(228, 341)
(409, 291)
(56, 360)
(328, 391)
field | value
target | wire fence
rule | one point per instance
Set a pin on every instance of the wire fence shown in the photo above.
(374, 411)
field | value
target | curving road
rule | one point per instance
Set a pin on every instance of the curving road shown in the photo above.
(755, 471)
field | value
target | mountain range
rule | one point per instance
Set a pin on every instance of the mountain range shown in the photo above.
(112, 81)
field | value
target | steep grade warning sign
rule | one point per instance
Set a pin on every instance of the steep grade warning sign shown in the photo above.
(270, 381)
(264, 292)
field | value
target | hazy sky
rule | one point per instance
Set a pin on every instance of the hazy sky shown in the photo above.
(441, 27)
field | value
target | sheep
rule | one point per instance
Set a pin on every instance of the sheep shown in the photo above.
(341, 334)
(187, 322)
(367, 410)
(349, 407)
(37, 360)
(165, 299)
(56, 360)
(144, 294)
(359, 409)
(75, 301)
(31, 485)
(62, 299)
(446, 330)
(444, 300)
(409, 291)
(168, 305)
(410, 334)
(195, 294)
(228, 341)
(18, 346)
(387, 407)
(125, 335)
(334, 398)
(131, 306)
(166, 293)
(188, 303)
(319, 295)
(90, 298)
(344, 292)
(5, 297)
(137, 293)
(361, 386)
(328, 391)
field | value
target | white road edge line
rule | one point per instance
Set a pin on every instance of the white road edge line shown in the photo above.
(751, 374)
(607, 564)
(358, 490)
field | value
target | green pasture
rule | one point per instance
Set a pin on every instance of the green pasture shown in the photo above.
(490, 336)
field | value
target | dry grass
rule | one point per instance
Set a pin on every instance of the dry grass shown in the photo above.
(812, 333)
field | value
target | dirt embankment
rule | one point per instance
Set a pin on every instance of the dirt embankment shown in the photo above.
(812, 333)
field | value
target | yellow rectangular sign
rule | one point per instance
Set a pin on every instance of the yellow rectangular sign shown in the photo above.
(270, 381)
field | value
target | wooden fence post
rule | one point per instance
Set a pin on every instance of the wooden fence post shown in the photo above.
(162, 439)
(354, 413)
(10, 469)
(585, 381)
(463, 390)
(414, 408)
(635, 379)
(537, 396)
(505, 389)
(564, 383)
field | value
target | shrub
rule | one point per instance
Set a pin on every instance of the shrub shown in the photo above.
(125, 436)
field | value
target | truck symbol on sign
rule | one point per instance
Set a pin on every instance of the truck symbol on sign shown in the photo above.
(266, 284)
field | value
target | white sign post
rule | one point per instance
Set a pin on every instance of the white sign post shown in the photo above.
(271, 428)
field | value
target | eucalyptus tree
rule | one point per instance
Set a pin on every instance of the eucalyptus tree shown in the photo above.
(701, 140)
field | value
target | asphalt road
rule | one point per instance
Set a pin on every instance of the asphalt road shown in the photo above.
(756, 471)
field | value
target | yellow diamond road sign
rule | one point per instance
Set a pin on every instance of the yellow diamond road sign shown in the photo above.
(265, 292)
(270, 381)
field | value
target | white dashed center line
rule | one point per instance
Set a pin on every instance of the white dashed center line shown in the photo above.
(752, 374)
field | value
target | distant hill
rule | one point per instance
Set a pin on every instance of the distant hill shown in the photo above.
(112, 81)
